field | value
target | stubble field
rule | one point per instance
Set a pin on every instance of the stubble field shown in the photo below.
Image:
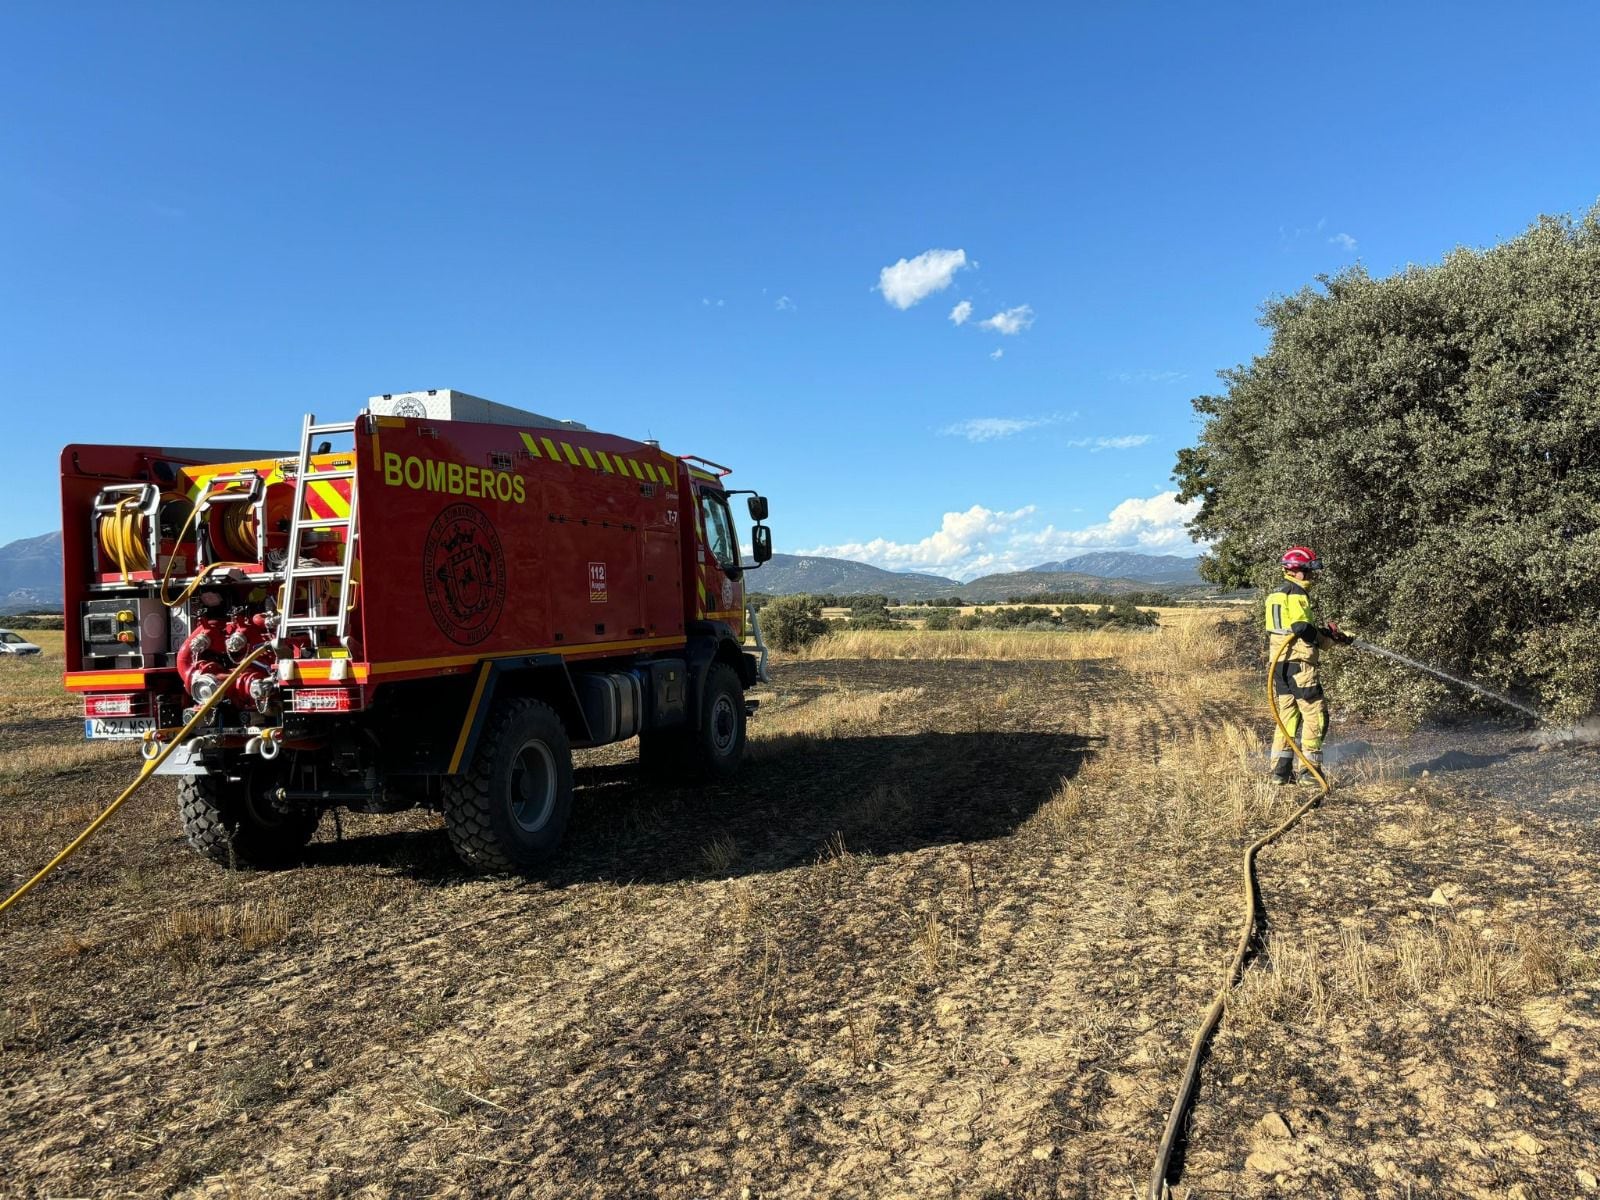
(947, 935)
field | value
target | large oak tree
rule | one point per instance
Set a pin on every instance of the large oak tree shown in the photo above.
(1435, 435)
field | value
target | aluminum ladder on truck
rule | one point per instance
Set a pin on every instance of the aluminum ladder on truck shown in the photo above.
(297, 616)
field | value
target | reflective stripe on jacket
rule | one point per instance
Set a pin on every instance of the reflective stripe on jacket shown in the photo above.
(1290, 613)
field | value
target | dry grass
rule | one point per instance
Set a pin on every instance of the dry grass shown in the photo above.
(1062, 816)
(828, 715)
(56, 759)
(251, 924)
(987, 644)
(1297, 982)
(1173, 651)
(947, 935)
(719, 854)
(931, 944)
(30, 688)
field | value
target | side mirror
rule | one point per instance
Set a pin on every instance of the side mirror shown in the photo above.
(758, 508)
(760, 540)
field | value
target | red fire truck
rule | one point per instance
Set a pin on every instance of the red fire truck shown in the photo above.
(439, 612)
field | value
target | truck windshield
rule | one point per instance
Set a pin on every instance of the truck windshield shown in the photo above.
(719, 528)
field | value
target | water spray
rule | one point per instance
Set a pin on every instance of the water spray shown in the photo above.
(1469, 684)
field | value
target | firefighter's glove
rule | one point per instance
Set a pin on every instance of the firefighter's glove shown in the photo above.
(1337, 635)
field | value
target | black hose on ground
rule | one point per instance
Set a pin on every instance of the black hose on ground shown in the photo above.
(1252, 904)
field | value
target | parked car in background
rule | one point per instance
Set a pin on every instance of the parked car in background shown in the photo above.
(12, 643)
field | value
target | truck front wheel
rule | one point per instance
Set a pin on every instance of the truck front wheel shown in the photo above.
(715, 749)
(509, 809)
(233, 821)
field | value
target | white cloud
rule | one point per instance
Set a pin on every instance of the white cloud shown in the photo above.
(784, 304)
(960, 313)
(1156, 523)
(1344, 241)
(964, 542)
(997, 352)
(1011, 321)
(987, 429)
(1147, 376)
(982, 541)
(911, 281)
(1125, 442)
(710, 303)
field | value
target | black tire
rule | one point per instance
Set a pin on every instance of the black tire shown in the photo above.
(230, 820)
(508, 811)
(719, 744)
(711, 752)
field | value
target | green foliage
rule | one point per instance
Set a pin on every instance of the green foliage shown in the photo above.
(790, 622)
(873, 618)
(1435, 436)
(32, 621)
(1156, 598)
(830, 599)
(1033, 618)
(1125, 613)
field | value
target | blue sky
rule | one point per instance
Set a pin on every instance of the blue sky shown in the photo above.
(675, 221)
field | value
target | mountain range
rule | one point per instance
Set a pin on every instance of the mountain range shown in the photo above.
(30, 574)
(30, 577)
(1107, 572)
(1120, 564)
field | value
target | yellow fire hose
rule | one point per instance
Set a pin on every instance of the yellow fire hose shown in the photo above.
(1213, 1017)
(200, 576)
(121, 539)
(145, 772)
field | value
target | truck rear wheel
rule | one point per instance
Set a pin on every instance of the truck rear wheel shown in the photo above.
(233, 822)
(509, 809)
(712, 751)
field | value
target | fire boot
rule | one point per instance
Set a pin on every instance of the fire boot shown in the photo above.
(1283, 769)
(1316, 760)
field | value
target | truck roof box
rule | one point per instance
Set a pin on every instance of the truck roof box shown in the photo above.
(446, 404)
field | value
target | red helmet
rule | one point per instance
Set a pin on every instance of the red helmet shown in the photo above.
(1300, 558)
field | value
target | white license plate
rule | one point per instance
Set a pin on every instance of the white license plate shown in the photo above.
(117, 727)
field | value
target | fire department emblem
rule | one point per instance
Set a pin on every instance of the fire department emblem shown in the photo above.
(464, 574)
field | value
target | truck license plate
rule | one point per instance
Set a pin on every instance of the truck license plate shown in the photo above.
(117, 727)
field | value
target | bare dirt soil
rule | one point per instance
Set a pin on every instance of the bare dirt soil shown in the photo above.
(947, 935)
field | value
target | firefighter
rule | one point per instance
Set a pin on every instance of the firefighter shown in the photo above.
(1298, 680)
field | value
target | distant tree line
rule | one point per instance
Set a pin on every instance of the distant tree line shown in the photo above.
(843, 600)
(790, 622)
(1122, 614)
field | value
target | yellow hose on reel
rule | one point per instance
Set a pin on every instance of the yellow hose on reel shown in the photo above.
(238, 529)
(122, 538)
(1252, 903)
(200, 576)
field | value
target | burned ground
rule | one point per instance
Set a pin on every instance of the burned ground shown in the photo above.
(947, 935)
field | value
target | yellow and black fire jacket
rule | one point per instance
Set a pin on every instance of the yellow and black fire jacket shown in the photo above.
(1290, 615)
